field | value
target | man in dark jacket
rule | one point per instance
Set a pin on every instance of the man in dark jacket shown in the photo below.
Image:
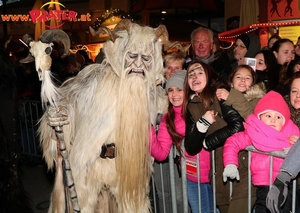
(202, 43)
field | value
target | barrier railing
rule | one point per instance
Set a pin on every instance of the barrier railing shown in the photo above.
(279, 154)
(29, 114)
(31, 111)
(185, 209)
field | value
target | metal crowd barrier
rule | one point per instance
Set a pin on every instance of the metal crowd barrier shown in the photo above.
(30, 112)
(172, 173)
(279, 154)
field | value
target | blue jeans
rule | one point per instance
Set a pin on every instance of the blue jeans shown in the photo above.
(206, 197)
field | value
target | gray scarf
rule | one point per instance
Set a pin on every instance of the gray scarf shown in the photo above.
(208, 60)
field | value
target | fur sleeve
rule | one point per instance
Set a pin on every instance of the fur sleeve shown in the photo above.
(48, 142)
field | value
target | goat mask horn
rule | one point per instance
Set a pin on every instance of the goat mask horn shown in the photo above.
(124, 24)
(102, 30)
(162, 35)
(28, 59)
(27, 39)
(49, 36)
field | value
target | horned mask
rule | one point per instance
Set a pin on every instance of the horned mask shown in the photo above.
(40, 50)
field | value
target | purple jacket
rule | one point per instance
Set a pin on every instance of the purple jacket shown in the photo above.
(162, 142)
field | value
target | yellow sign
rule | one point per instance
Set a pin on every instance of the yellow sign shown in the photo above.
(290, 32)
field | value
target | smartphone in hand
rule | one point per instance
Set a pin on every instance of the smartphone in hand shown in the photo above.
(248, 61)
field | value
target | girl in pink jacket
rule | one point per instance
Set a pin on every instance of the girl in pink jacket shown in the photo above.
(268, 129)
(172, 130)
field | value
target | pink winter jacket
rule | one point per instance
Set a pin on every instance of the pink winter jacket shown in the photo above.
(162, 142)
(260, 163)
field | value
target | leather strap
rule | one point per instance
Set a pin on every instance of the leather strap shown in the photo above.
(108, 151)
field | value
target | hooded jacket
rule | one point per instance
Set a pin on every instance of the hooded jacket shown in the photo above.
(245, 103)
(263, 138)
(254, 45)
(253, 48)
(219, 61)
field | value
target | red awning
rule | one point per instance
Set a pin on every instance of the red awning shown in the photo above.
(230, 35)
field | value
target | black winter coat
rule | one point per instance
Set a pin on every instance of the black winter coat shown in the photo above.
(194, 138)
(228, 123)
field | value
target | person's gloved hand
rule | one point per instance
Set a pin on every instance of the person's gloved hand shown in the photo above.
(57, 117)
(278, 192)
(231, 172)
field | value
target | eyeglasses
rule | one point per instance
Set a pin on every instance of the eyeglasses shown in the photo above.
(238, 46)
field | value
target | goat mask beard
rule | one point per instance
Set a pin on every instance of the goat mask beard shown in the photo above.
(132, 139)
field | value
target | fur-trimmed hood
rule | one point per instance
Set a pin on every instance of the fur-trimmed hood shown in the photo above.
(256, 91)
(295, 113)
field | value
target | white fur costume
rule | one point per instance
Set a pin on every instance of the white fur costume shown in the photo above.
(114, 102)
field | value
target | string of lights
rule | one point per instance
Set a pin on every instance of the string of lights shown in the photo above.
(234, 36)
(110, 14)
(253, 27)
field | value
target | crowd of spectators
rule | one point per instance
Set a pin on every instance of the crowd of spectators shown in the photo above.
(243, 86)
(215, 89)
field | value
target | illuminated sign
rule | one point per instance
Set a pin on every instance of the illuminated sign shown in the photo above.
(290, 32)
(44, 16)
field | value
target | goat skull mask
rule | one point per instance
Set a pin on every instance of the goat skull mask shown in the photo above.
(41, 52)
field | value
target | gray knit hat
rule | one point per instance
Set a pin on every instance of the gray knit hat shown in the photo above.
(176, 80)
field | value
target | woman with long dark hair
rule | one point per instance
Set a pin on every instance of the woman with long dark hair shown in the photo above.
(208, 123)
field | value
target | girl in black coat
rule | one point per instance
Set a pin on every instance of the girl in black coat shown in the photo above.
(209, 122)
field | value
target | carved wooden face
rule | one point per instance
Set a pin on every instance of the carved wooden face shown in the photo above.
(136, 52)
(139, 59)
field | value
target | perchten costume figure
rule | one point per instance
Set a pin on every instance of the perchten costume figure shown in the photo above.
(110, 108)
